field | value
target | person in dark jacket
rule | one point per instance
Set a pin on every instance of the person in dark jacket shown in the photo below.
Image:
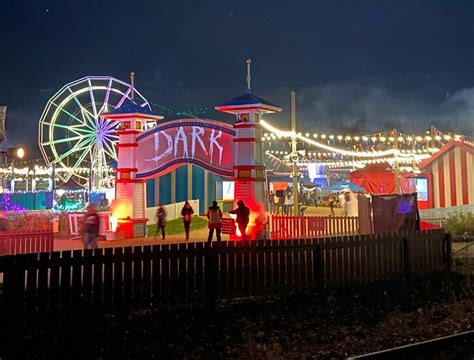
(91, 228)
(160, 221)
(243, 217)
(186, 212)
(214, 215)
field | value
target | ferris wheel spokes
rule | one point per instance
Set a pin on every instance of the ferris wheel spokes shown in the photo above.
(72, 134)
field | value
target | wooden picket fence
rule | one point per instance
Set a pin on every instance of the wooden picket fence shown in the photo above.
(141, 277)
(13, 243)
(289, 227)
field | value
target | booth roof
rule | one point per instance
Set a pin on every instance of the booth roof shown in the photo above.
(344, 185)
(131, 107)
(468, 146)
(248, 99)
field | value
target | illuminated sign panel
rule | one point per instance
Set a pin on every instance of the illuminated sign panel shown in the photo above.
(208, 144)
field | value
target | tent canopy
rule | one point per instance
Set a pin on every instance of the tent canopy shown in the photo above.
(345, 185)
(380, 179)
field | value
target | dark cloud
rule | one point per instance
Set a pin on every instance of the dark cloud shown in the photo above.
(363, 109)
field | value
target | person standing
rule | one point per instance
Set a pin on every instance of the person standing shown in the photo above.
(331, 200)
(271, 204)
(243, 217)
(186, 212)
(161, 221)
(214, 215)
(276, 204)
(342, 202)
(286, 203)
(289, 202)
(4, 226)
(90, 228)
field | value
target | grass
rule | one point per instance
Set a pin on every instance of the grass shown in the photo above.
(176, 226)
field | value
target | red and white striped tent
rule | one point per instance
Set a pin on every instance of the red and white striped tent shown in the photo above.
(450, 175)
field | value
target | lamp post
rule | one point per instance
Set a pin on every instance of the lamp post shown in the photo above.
(12, 153)
(294, 154)
(397, 164)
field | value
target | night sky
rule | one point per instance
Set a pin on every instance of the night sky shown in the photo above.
(357, 66)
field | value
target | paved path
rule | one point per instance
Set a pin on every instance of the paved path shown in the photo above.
(199, 235)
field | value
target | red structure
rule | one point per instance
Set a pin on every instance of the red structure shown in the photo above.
(380, 179)
(12, 243)
(450, 175)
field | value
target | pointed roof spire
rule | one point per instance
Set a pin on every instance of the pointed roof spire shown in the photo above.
(132, 83)
(248, 76)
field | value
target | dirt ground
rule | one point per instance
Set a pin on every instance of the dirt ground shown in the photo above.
(302, 325)
(463, 249)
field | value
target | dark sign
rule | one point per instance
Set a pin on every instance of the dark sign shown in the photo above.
(228, 226)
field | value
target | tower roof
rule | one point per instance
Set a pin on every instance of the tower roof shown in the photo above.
(131, 109)
(248, 101)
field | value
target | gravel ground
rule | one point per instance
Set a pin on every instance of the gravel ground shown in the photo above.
(301, 325)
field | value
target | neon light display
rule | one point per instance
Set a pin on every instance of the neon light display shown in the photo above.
(72, 134)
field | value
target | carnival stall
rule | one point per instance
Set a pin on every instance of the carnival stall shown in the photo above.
(380, 179)
(449, 175)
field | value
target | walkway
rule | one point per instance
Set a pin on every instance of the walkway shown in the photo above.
(195, 236)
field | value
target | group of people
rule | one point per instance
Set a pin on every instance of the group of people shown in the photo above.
(186, 212)
(281, 204)
(91, 222)
(214, 216)
(342, 200)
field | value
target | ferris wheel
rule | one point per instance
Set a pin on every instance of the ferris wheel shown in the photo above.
(72, 135)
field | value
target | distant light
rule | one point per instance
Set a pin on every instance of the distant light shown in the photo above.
(20, 153)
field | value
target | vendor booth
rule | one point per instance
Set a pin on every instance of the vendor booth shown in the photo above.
(449, 175)
(380, 179)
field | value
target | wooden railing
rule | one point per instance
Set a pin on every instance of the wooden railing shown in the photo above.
(290, 227)
(13, 243)
(140, 277)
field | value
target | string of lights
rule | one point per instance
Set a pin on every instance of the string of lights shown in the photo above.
(381, 137)
(364, 154)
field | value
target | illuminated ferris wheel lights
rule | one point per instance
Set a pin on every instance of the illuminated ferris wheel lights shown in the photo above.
(71, 131)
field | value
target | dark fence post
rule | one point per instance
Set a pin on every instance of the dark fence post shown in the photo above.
(210, 273)
(317, 263)
(13, 292)
(447, 250)
(406, 259)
